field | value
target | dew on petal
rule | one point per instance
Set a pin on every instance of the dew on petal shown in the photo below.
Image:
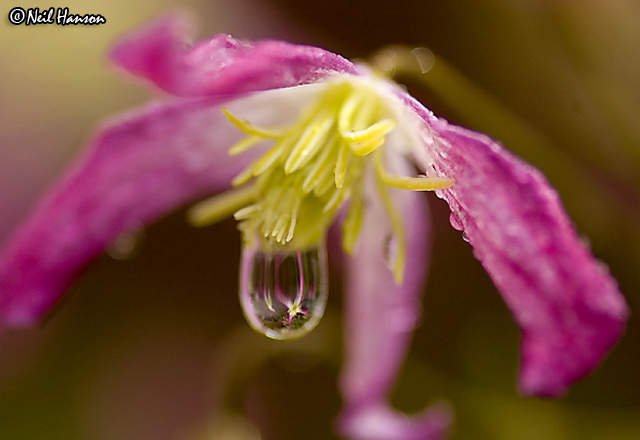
(390, 251)
(127, 245)
(603, 267)
(455, 222)
(283, 295)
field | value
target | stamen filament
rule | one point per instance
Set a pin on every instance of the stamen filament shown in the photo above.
(336, 199)
(368, 146)
(325, 185)
(352, 224)
(248, 127)
(221, 206)
(246, 212)
(265, 162)
(341, 165)
(310, 142)
(354, 112)
(245, 144)
(379, 129)
(292, 223)
(410, 183)
(399, 259)
(243, 177)
(313, 179)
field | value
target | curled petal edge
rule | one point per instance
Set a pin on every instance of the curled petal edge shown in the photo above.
(221, 65)
(568, 307)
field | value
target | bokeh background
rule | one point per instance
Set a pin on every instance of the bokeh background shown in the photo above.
(154, 346)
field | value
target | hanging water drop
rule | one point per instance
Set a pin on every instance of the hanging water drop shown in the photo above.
(283, 295)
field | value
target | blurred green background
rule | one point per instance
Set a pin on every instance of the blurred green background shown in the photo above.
(155, 347)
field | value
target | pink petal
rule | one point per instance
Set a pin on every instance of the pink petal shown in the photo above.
(380, 318)
(221, 65)
(567, 305)
(379, 422)
(137, 168)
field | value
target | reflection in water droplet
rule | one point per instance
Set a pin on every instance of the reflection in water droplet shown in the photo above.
(465, 237)
(283, 295)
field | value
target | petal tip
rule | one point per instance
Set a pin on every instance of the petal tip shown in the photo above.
(548, 371)
(379, 422)
(147, 51)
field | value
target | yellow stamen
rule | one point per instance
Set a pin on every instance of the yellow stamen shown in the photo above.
(243, 177)
(322, 163)
(377, 130)
(367, 146)
(352, 225)
(245, 144)
(219, 207)
(246, 212)
(336, 200)
(271, 157)
(397, 227)
(312, 139)
(354, 111)
(248, 127)
(341, 166)
(422, 183)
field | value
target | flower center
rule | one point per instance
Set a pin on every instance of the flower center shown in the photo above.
(288, 198)
(312, 169)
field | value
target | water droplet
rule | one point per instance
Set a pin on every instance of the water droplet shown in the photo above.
(127, 245)
(390, 251)
(603, 267)
(283, 295)
(455, 222)
(465, 236)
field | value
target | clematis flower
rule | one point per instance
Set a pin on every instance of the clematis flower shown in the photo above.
(291, 139)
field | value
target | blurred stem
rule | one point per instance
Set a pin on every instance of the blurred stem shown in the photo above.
(558, 30)
(470, 102)
(620, 113)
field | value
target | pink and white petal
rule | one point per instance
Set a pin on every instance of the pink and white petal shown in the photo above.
(221, 65)
(137, 168)
(568, 307)
(380, 318)
(377, 421)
